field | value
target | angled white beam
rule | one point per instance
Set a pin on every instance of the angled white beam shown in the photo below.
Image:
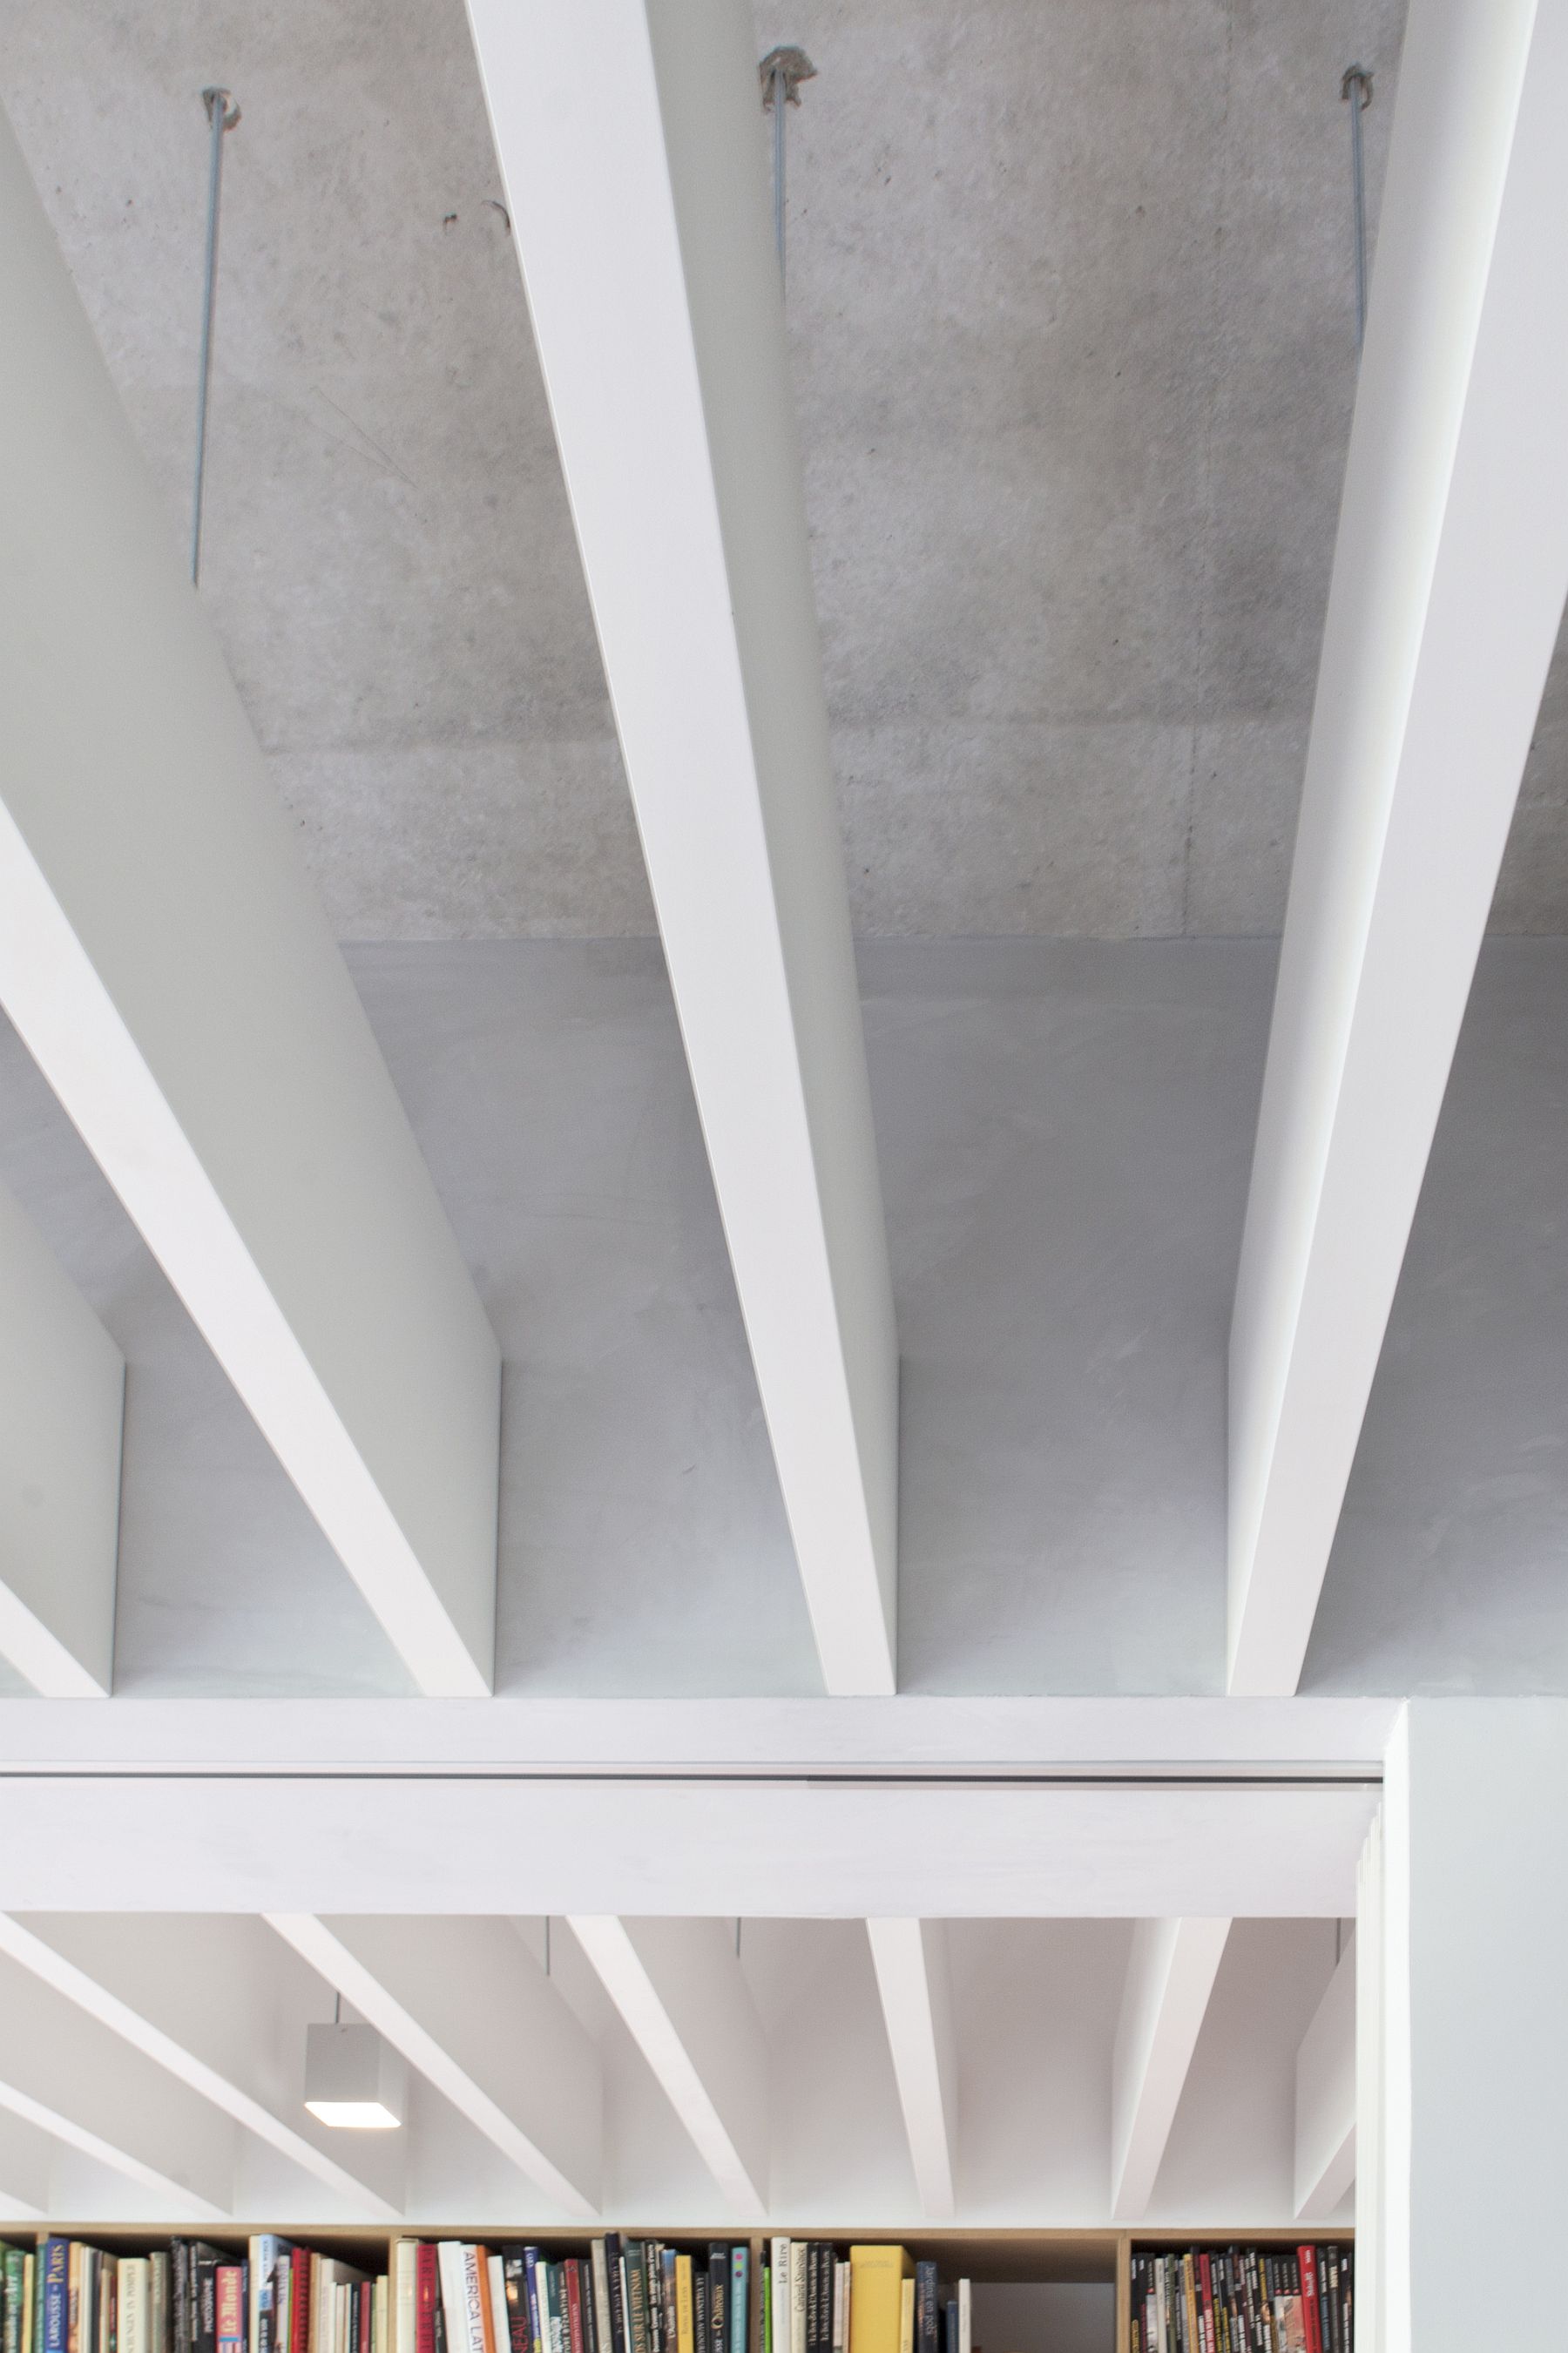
(164, 958)
(910, 1960)
(1326, 2095)
(70, 2077)
(1171, 1972)
(472, 2012)
(679, 1986)
(632, 147)
(1447, 589)
(167, 1986)
(62, 1392)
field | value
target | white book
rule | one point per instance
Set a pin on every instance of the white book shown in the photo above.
(797, 2259)
(966, 2317)
(838, 2322)
(778, 2281)
(601, 2262)
(380, 2317)
(134, 2304)
(450, 2271)
(404, 2296)
(500, 2324)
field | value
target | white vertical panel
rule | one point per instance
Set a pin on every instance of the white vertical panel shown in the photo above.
(62, 1390)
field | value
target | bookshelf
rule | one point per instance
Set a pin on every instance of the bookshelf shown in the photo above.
(1101, 2257)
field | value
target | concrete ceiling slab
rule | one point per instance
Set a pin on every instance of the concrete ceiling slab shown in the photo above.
(1070, 310)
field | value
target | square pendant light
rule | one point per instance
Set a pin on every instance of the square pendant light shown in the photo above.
(353, 2080)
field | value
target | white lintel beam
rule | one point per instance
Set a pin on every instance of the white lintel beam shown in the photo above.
(472, 2012)
(1170, 1971)
(165, 959)
(680, 1991)
(632, 147)
(62, 1394)
(1446, 594)
(70, 2077)
(174, 1988)
(303, 1841)
(1326, 2095)
(910, 1957)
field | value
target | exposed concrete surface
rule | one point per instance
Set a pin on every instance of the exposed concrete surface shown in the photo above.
(1450, 1570)
(1065, 1130)
(1071, 312)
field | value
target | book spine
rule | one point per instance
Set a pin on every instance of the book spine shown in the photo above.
(740, 2299)
(615, 2292)
(426, 2296)
(636, 2297)
(685, 2338)
(577, 2335)
(718, 2298)
(906, 2316)
(57, 2294)
(229, 2307)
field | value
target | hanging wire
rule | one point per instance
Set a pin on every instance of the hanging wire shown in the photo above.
(781, 73)
(222, 115)
(1357, 88)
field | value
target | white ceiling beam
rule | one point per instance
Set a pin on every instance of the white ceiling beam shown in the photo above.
(1447, 590)
(164, 956)
(62, 1394)
(679, 1989)
(70, 2077)
(914, 1734)
(1170, 1971)
(910, 1957)
(472, 2012)
(631, 146)
(1326, 2097)
(774, 1847)
(169, 1987)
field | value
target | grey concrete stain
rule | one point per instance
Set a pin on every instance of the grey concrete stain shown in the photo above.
(1070, 311)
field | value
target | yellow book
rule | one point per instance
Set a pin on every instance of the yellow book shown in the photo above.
(683, 2328)
(876, 2277)
(907, 2318)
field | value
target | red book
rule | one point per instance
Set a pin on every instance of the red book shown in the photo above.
(1311, 2326)
(300, 2301)
(231, 2313)
(366, 2298)
(426, 2288)
(1205, 2303)
(573, 2271)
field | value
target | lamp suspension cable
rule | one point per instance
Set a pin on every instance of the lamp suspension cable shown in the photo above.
(222, 115)
(1357, 88)
(781, 73)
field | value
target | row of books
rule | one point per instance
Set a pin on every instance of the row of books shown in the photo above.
(1243, 2299)
(621, 2295)
(642, 2296)
(189, 2297)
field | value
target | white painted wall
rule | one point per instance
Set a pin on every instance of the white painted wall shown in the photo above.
(1475, 2073)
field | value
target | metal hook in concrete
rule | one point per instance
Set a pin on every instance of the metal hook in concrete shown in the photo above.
(1357, 87)
(222, 115)
(781, 72)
